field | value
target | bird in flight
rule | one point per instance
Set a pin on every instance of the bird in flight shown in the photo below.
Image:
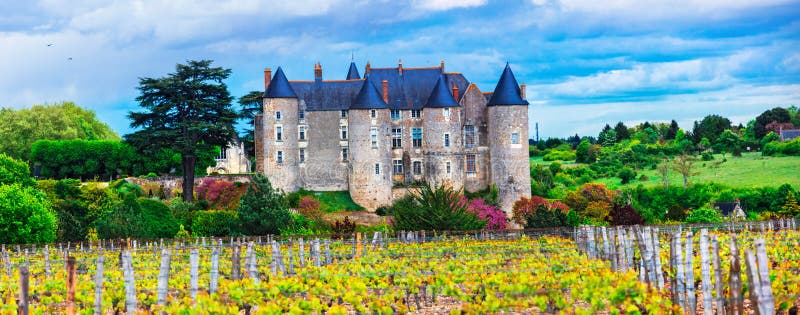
(70, 58)
(48, 45)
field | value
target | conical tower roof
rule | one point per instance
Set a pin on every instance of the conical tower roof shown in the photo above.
(507, 90)
(279, 86)
(352, 73)
(368, 97)
(440, 96)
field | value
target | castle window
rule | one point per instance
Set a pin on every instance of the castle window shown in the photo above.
(302, 155)
(344, 132)
(373, 137)
(447, 140)
(344, 154)
(397, 137)
(471, 165)
(395, 114)
(344, 114)
(416, 113)
(301, 114)
(397, 167)
(279, 157)
(446, 113)
(278, 133)
(447, 167)
(377, 168)
(373, 113)
(416, 137)
(302, 132)
(514, 138)
(469, 136)
(223, 153)
(278, 116)
(417, 167)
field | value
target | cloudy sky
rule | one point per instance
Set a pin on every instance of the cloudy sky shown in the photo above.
(586, 62)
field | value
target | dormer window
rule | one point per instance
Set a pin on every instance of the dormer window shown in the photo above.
(343, 114)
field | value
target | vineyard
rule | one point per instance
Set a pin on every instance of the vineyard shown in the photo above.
(582, 271)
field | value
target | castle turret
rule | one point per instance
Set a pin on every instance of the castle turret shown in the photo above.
(507, 115)
(442, 141)
(370, 170)
(279, 125)
(352, 73)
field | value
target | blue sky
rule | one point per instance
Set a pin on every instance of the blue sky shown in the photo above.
(586, 62)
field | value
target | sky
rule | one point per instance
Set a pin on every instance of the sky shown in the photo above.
(585, 62)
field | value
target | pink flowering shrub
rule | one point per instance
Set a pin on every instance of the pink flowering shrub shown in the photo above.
(220, 194)
(494, 217)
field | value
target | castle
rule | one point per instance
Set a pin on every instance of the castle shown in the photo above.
(394, 126)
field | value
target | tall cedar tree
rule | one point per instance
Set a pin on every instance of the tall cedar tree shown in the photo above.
(251, 105)
(622, 132)
(188, 111)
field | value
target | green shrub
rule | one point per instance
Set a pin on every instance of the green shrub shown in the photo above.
(559, 156)
(707, 156)
(778, 148)
(703, 215)
(215, 223)
(435, 208)
(137, 218)
(626, 174)
(25, 216)
(14, 172)
(263, 210)
(158, 219)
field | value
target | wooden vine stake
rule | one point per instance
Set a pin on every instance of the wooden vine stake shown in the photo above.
(194, 263)
(214, 274)
(758, 279)
(236, 267)
(657, 260)
(736, 307)
(24, 288)
(98, 285)
(130, 285)
(678, 285)
(691, 298)
(71, 286)
(163, 277)
(301, 251)
(720, 299)
(705, 270)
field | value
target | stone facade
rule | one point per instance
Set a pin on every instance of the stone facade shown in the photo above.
(329, 141)
(231, 160)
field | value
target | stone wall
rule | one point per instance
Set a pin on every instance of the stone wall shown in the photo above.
(323, 169)
(368, 189)
(437, 156)
(282, 175)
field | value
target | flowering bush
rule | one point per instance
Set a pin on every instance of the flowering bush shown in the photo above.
(525, 208)
(495, 218)
(220, 194)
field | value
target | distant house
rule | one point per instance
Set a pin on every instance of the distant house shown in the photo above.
(789, 134)
(730, 209)
(231, 160)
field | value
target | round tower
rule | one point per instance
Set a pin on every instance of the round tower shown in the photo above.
(442, 140)
(370, 179)
(279, 123)
(507, 121)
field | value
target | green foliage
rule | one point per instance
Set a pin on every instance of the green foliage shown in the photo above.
(703, 215)
(263, 210)
(626, 174)
(250, 105)
(790, 208)
(593, 201)
(215, 223)
(729, 141)
(622, 132)
(711, 127)
(13, 171)
(158, 219)
(23, 127)
(182, 233)
(607, 137)
(582, 152)
(435, 208)
(137, 218)
(787, 148)
(558, 155)
(83, 159)
(489, 195)
(188, 111)
(25, 216)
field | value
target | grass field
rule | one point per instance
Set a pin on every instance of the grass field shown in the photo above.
(750, 170)
(332, 201)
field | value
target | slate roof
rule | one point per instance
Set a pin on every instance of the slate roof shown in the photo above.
(441, 96)
(726, 208)
(368, 97)
(279, 86)
(352, 73)
(409, 90)
(787, 135)
(507, 90)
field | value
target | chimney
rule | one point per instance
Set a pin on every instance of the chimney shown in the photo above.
(442, 65)
(366, 69)
(455, 92)
(522, 90)
(318, 72)
(267, 78)
(400, 66)
(385, 85)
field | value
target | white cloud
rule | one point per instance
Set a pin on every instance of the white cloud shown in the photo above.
(443, 5)
(658, 9)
